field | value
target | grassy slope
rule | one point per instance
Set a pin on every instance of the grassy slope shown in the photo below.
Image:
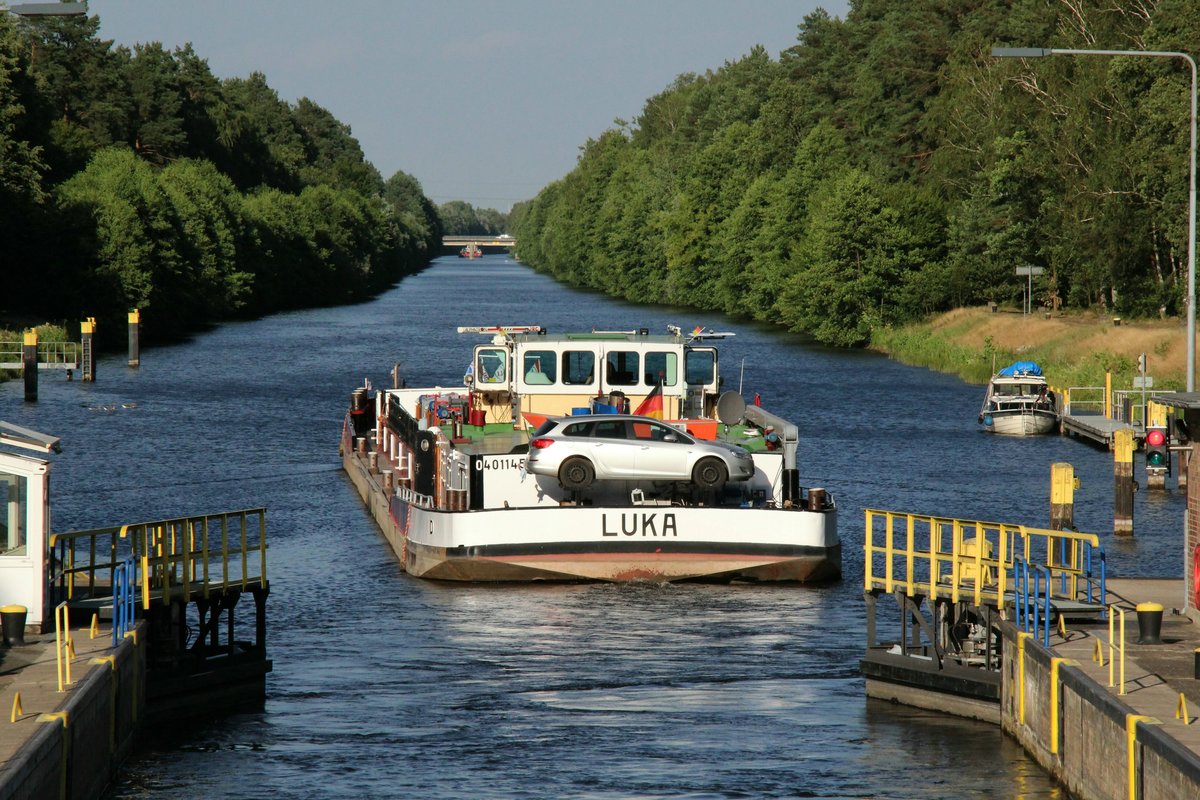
(1072, 349)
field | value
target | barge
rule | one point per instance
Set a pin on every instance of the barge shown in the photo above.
(444, 469)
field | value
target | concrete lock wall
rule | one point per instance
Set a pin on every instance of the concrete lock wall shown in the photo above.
(77, 757)
(1092, 748)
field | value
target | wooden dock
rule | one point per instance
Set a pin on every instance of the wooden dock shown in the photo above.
(1097, 428)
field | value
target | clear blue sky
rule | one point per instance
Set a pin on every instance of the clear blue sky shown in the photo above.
(482, 101)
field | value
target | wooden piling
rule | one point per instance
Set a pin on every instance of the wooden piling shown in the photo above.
(29, 365)
(135, 319)
(1062, 496)
(1123, 482)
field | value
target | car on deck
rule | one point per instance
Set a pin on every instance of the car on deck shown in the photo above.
(579, 450)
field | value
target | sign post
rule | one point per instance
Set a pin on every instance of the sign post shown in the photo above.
(1029, 272)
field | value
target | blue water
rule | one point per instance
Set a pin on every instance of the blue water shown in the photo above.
(389, 686)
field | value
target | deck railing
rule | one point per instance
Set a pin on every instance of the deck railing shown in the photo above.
(172, 558)
(963, 559)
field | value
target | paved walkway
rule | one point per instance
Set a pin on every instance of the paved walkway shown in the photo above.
(32, 670)
(1155, 675)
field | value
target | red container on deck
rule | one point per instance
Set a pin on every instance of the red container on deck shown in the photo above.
(475, 417)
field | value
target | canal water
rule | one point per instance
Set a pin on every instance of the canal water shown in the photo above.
(390, 686)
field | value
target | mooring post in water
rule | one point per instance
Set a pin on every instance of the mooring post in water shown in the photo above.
(29, 365)
(1062, 496)
(1123, 475)
(87, 348)
(135, 318)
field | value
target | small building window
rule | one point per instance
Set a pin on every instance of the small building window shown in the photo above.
(12, 518)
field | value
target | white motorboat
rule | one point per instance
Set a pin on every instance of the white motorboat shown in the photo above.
(1019, 402)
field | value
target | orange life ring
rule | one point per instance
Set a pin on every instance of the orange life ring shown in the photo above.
(1196, 577)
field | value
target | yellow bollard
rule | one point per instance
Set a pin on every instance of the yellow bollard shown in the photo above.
(1181, 711)
(94, 631)
(1062, 496)
(18, 712)
(1098, 654)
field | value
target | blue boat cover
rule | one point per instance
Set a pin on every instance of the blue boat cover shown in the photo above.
(1021, 368)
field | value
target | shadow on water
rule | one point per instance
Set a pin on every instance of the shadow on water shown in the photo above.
(385, 685)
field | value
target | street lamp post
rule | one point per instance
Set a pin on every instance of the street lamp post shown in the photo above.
(1040, 52)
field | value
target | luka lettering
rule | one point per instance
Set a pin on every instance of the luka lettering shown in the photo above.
(636, 524)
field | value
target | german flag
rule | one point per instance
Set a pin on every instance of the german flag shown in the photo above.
(652, 406)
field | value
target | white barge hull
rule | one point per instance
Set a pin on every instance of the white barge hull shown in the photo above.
(612, 544)
(574, 543)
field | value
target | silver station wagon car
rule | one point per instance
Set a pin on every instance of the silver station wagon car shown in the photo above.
(579, 450)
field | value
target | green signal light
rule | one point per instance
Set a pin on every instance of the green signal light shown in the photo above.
(1156, 459)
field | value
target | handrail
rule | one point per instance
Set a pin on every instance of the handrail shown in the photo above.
(1035, 604)
(174, 557)
(959, 558)
(1119, 648)
(1072, 399)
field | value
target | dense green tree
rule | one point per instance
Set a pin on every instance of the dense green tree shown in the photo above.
(134, 178)
(887, 166)
(460, 218)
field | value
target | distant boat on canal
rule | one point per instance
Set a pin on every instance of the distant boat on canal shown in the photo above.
(1019, 402)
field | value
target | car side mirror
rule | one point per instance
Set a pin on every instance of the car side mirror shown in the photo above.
(670, 437)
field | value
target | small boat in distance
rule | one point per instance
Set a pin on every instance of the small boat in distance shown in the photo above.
(1019, 402)
(470, 251)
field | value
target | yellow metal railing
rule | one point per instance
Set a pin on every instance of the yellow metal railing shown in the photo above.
(959, 558)
(173, 558)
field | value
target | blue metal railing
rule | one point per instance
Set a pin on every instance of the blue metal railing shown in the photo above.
(1032, 607)
(124, 581)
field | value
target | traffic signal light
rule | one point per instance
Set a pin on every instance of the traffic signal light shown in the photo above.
(1157, 455)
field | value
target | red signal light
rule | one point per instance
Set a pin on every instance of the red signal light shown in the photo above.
(1155, 438)
(541, 444)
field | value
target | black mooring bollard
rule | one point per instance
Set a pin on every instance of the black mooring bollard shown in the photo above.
(12, 623)
(1149, 623)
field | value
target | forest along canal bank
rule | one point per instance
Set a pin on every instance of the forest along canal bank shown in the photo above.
(383, 683)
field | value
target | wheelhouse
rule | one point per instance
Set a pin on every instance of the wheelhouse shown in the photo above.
(533, 372)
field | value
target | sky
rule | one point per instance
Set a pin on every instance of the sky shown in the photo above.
(481, 101)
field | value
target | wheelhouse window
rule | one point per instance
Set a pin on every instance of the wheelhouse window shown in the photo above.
(700, 367)
(621, 368)
(12, 516)
(662, 366)
(579, 367)
(539, 367)
(492, 367)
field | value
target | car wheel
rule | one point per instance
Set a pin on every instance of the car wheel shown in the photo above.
(576, 473)
(710, 473)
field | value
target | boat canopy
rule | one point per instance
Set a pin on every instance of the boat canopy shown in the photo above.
(1019, 368)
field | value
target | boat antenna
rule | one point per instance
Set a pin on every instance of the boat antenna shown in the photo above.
(742, 375)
